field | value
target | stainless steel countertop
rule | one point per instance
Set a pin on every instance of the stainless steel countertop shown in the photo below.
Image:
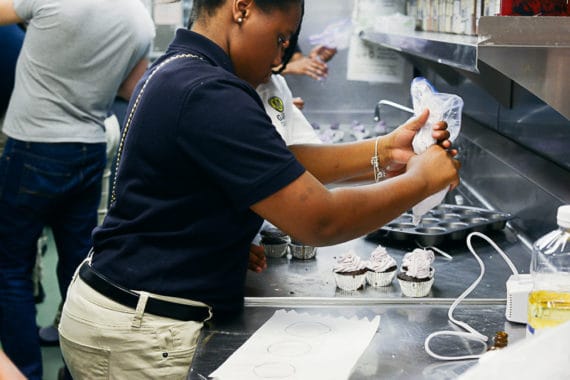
(396, 350)
(289, 277)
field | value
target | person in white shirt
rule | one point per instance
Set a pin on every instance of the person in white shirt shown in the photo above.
(287, 118)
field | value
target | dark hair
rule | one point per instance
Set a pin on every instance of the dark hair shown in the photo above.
(210, 6)
(201, 7)
(292, 48)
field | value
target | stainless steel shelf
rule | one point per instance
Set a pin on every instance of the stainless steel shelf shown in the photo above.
(448, 49)
(532, 51)
(525, 31)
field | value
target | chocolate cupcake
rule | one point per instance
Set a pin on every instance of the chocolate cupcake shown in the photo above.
(417, 274)
(350, 272)
(381, 268)
(275, 242)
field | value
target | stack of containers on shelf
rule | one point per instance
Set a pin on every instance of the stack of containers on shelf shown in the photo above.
(462, 16)
(446, 16)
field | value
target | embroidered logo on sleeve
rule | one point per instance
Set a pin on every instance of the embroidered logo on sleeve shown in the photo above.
(276, 103)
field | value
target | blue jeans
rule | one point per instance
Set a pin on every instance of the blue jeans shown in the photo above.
(53, 184)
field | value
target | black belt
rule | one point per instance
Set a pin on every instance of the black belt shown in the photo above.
(129, 298)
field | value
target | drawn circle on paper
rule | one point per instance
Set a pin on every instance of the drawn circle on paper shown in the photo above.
(307, 329)
(274, 370)
(289, 348)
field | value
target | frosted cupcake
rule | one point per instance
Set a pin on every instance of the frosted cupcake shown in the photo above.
(417, 254)
(350, 272)
(381, 268)
(417, 275)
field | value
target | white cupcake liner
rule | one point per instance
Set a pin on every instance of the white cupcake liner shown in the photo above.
(378, 279)
(349, 281)
(414, 288)
(275, 250)
(302, 252)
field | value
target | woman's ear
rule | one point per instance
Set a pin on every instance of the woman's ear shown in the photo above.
(241, 9)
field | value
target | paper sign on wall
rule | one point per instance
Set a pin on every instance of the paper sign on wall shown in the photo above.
(371, 63)
(367, 61)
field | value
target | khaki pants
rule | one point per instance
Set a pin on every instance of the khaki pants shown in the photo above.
(102, 339)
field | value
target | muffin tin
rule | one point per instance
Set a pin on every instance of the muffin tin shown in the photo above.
(444, 223)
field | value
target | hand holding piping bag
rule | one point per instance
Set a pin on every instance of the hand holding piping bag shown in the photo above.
(396, 148)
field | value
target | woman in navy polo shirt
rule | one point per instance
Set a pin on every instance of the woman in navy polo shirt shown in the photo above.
(200, 167)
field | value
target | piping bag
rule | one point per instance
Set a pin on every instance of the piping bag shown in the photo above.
(446, 107)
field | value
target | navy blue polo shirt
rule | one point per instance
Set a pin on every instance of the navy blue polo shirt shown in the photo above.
(200, 151)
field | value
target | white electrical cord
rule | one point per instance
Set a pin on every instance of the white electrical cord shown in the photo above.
(434, 248)
(470, 333)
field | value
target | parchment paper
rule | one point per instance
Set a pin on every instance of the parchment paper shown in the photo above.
(300, 346)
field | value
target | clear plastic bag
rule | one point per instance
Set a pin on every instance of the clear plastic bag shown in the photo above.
(446, 107)
(336, 35)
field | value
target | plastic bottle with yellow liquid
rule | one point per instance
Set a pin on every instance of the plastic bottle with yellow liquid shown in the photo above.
(549, 300)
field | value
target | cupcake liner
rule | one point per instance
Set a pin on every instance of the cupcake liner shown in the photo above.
(415, 288)
(378, 279)
(349, 281)
(302, 252)
(275, 250)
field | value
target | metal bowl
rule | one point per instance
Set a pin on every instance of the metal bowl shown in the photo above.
(303, 252)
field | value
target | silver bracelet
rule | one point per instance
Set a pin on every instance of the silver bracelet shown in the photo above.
(379, 173)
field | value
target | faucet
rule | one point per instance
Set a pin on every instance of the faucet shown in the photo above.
(391, 104)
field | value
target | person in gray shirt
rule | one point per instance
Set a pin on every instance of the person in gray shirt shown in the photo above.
(77, 56)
